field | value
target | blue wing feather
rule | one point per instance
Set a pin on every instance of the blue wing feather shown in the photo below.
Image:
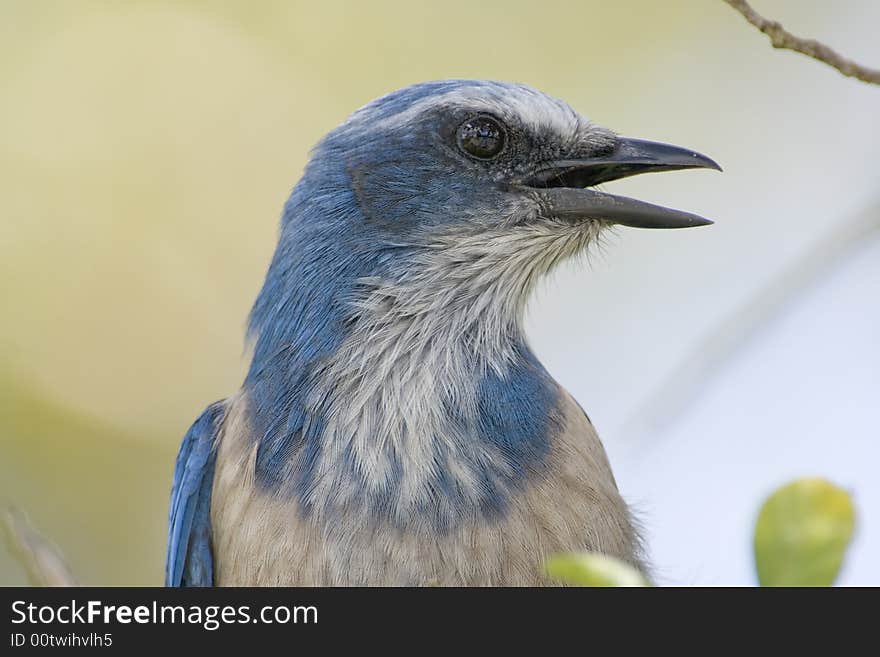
(190, 561)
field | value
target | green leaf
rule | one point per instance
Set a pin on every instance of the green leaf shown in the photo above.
(802, 533)
(593, 569)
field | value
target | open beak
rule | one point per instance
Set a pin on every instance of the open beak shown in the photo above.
(563, 186)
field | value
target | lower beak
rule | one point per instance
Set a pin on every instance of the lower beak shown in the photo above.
(563, 186)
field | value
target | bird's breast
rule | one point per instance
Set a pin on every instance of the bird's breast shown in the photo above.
(569, 501)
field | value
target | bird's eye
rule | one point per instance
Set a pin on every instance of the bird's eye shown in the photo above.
(481, 137)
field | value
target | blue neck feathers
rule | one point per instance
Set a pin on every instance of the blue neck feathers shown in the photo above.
(301, 319)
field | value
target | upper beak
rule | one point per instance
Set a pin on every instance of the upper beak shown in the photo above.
(563, 185)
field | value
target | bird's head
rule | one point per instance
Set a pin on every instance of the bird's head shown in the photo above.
(458, 193)
(468, 155)
(484, 175)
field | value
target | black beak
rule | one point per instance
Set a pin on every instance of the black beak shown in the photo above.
(563, 186)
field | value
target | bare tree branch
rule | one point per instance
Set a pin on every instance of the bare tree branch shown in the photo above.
(41, 560)
(782, 38)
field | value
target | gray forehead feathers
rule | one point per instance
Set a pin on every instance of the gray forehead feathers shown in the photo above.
(518, 105)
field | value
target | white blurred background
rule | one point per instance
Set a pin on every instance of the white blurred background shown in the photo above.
(146, 149)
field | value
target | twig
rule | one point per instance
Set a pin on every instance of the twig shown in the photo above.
(41, 560)
(782, 38)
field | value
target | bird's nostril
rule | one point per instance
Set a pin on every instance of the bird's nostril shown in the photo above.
(605, 148)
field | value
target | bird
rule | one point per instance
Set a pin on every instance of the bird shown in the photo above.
(394, 427)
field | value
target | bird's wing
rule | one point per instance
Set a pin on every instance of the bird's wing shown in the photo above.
(190, 561)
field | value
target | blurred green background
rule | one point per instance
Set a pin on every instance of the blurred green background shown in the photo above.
(146, 149)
